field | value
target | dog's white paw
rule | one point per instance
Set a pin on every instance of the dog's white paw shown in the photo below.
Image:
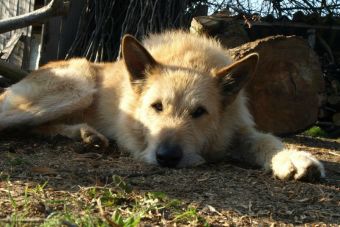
(298, 165)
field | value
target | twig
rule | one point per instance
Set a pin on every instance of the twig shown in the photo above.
(334, 153)
(104, 22)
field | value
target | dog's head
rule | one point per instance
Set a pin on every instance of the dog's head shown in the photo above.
(181, 108)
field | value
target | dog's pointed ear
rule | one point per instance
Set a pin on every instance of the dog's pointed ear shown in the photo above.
(235, 76)
(137, 58)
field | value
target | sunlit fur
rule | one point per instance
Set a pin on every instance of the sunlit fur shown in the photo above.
(84, 100)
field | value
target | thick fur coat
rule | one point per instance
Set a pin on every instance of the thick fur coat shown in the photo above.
(175, 100)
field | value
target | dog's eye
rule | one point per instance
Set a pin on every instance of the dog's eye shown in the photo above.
(158, 107)
(198, 112)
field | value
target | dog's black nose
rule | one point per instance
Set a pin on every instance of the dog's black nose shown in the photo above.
(168, 155)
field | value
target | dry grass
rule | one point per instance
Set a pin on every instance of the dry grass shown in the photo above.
(59, 182)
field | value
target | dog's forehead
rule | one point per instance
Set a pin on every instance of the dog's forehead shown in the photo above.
(183, 86)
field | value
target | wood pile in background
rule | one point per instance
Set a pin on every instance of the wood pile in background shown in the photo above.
(285, 93)
(298, 80)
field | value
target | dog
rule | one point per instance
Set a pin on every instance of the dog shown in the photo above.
(175, 100)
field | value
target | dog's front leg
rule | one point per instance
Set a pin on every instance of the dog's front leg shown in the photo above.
(82, 131)
(269, 152)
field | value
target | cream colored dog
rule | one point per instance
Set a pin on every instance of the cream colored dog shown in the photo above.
(176, 101)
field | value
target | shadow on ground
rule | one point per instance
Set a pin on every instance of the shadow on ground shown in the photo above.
(232, 191)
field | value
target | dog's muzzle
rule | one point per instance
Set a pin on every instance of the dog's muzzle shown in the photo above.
(168, 154)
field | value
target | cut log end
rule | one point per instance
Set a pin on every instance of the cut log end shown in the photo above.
(284, 94)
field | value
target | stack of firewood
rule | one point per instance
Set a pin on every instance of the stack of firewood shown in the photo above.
(330, 112)
(297, 83)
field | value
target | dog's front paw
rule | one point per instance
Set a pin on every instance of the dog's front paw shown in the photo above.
(94, 138)
(298, 165)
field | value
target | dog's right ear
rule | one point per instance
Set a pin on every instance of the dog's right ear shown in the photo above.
(137, 58)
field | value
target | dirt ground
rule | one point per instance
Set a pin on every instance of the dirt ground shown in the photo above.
(224, 193)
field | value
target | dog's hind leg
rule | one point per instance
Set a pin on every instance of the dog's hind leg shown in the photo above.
(48, 94)
(32, 115)
(82, 132)
(269, 152)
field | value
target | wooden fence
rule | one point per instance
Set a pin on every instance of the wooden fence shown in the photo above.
(15, 45)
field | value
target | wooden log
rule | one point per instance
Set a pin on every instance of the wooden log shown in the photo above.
(11, 71)
(228, 30)
(284, 93)
(213, 24)
(54, 8)
(205, 25)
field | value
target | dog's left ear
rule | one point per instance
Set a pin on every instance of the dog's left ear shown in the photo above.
(137, 58)
(235, 76)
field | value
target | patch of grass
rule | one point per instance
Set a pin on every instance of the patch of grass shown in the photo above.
(315, 131)
(188, 214)
(72, 219)
(15, 161)
(39, 188)
(131, 221)
(115, 204)
(191, 215)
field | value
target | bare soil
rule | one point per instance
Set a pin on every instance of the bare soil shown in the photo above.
(224, 194)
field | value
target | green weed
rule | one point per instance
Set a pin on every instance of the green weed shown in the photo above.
(315, 131)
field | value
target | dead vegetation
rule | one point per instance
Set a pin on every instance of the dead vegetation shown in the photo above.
(58, 181)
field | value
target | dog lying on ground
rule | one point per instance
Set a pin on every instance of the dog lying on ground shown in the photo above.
(176, 100)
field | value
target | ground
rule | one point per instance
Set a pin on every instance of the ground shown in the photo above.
(58, 181)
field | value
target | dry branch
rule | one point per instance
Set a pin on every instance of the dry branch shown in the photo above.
(54, 8)
(104, 22)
